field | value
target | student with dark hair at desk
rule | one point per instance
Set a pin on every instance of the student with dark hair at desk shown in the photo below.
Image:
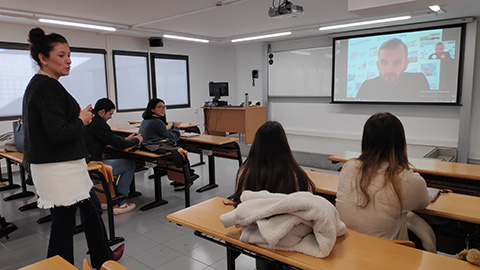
(378, 189)
(154, 127)
(154, 124)
(54, 146)
(98, 135)
(270, 166)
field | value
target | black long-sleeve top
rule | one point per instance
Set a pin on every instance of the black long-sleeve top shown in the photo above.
(99, 134)
(53, 131)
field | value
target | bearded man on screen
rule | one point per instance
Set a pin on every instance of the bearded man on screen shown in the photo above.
(393, 84)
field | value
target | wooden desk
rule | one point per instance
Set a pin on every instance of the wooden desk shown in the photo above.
(460, 177)
(351, 251)
(212, 146)
(446, 205)
(159, 162)
(16, 158)
(10, 184)
(52, 263)
(182, 125)
(235, 119)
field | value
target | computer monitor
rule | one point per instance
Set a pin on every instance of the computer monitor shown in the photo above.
(218, 89)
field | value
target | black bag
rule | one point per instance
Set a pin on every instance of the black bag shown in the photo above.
(159, 146)
(18, 134)
(163, 146)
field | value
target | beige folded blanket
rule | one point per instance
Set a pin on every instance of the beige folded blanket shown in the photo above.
(300, 222)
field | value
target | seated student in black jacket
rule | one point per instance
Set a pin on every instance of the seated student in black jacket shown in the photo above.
(98, 135)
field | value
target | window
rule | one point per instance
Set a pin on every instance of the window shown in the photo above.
(131, 80)
(86, 82)
(16, 70)
(170, 79)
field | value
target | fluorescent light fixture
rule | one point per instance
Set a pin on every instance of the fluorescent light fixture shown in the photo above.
(393, 19)
(262, 36)
(435, 8)
(75, 24)
(186, 38)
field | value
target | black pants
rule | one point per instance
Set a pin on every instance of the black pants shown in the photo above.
(63, 228)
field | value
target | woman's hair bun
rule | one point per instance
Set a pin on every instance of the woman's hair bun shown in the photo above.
(36, 34)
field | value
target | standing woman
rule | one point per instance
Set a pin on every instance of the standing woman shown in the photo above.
(54, 146)
(154, 124)
(376, 190)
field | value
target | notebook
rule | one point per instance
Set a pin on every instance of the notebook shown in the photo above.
(188, 134)
(434, 192)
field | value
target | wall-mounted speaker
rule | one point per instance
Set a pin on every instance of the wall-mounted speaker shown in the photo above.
(155, 42)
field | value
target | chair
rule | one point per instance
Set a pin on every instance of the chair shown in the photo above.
(108, 265)
(112, 265)
(86, 265)
(107, 189)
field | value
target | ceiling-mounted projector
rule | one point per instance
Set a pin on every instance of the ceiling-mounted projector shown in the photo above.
(285, 10)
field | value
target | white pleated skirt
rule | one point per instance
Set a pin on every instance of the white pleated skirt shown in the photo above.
(61, 183)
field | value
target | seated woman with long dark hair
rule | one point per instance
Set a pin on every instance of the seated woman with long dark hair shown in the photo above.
(154, 124)
(154, 127)
(270, 165)
(378, 189)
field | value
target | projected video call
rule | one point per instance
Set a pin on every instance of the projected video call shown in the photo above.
(403, 67)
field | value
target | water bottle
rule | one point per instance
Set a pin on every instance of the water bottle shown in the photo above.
(246, 101)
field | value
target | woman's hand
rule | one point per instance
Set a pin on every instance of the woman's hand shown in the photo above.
(177, 124)
(86, 115)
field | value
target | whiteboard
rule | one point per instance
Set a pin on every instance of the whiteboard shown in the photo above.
(301, 73)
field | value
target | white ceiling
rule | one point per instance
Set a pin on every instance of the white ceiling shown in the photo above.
(220, 21)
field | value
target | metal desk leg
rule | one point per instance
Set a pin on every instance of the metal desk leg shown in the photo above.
(24, 193)
(157, 179)
(29, 206)
(201, 162)
(6, 228)
(211, 175)
(187, 185)
(9, 178)
(133, 191)
(44, 219)
(232, 255)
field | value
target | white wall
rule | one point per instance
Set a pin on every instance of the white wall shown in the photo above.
(247, 58)
(474, 145)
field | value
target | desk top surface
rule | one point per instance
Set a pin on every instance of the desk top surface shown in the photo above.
(17, 156)
(182, 125)
(351, 251)
(55, 262)
(427, 166)
(202, 138)
(124, 128)
(209, 139)
(447, 205)
(140, 152)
